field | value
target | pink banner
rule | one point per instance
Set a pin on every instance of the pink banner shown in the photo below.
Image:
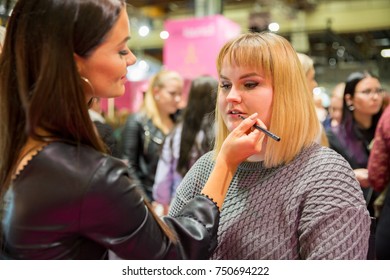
(193, 44)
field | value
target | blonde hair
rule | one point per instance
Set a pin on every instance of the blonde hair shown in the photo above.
(306, 61)
(149, 105)
(293, 116)
(2, 37)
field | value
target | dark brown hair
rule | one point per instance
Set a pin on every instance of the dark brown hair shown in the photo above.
(201, 102)
(40, 86)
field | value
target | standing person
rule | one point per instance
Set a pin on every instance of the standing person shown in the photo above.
(363, 99)
(310, 73)
(62, 196)
(379, 160)
(294, 199)
(336, 107)
(192, 137)
(379, 177)
(145, 131)
(104, 129)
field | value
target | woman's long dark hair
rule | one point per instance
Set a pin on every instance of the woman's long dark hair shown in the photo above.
(40, 86)
(201, 101)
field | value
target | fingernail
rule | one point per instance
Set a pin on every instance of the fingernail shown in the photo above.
(253, 116)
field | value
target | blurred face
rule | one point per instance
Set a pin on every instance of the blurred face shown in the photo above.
(168, 96)
(336, 109)
(243, 91)
(106, 67)
(311, 81)
(367, 98)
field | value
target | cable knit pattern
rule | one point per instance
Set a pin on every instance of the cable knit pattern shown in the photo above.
(311, 208)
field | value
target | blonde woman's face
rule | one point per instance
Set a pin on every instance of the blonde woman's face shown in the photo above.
(169, 96)
(243, 91)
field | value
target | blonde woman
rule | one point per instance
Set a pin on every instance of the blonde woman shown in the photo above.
(310, 73)
(294, 199)
(145, 131)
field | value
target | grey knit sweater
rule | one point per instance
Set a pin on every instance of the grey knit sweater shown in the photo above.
(311, 208)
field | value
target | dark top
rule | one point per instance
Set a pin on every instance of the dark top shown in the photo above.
(141, 146)
(72, 202)
(106, 132)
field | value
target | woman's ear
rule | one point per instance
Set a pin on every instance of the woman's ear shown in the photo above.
(79, 63)
(348, 99)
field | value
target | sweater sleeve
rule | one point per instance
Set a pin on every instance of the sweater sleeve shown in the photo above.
(114, 215)
(334, 223)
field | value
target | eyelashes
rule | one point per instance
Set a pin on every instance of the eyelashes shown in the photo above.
(124, 52)
(245, 86)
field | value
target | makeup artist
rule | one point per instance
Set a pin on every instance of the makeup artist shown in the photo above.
(294, 199)
(62, 196)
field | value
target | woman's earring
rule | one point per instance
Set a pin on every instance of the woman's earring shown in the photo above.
(91, 87)
(89, 84)
(351, 107)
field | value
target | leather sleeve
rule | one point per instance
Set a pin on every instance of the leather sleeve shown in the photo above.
(131, 145)
(114, 215)
(130, 149)
(196, 227)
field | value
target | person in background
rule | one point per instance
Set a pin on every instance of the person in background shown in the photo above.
(294, 199)
(104, 130)
(363, 98)
(2, 36)
(192, 137)
(310, 73)
(61, 195)
(379, 178)
(145, 131)
(336, 107)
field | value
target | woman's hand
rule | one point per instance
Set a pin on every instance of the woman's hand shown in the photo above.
(362, 176)
(241, 143)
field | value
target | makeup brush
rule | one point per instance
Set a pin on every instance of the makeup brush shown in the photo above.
(268, 133)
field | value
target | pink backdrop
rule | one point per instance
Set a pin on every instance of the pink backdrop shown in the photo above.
(193, 44)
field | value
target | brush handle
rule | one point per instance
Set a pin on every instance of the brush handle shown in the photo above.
(268, 133)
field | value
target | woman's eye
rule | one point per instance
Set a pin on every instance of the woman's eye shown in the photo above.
(225, 86)
(124, 52)
(251, 85)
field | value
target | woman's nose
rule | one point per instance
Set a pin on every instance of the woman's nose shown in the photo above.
(131, 59)
(233, 95)
(177, 98)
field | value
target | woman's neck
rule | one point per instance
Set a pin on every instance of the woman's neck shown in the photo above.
(260, 156)
(364, 121)
(167, 123)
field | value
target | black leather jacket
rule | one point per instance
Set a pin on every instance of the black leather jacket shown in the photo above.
(141, 144)
(72, 202)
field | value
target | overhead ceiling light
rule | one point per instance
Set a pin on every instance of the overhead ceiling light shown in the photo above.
(385, 53)
(274, 27)
(143, 30)
(164, 34)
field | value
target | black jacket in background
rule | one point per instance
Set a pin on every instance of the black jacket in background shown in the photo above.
(141, 145)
